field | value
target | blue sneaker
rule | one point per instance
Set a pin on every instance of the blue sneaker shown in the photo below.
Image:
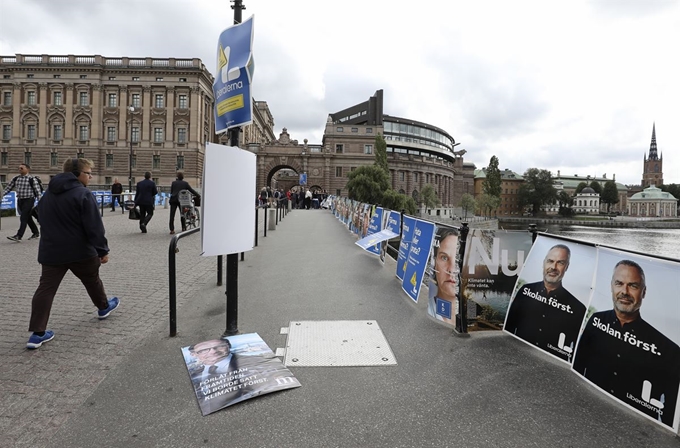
(113, 304)
(36, 341)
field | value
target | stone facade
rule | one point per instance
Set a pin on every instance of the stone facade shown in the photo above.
(56, 107)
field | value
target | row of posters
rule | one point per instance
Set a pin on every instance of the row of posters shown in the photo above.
(577, 302)
(584, 305)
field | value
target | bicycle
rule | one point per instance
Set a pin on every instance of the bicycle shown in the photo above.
(189, 212)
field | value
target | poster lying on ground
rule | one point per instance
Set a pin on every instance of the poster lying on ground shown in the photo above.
(551, 295)
(629, 345)
(418, 254)
(231, 370)
(492, 262)
(443, 275)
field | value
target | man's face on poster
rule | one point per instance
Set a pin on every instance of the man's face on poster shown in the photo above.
(211, 352)
(628, 289)
(446, 269)
(555, 265)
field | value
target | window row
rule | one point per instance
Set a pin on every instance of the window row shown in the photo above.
(340, 148)
(127, 158)
(355, 130)
(83, 133)
(30, 99)
(408, 129)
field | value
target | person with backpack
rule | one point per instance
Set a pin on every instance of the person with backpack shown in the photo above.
(28, 190)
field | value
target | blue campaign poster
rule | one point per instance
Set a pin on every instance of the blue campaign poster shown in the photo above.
(373, 227)
(404, 245)
(303, 178)
(9, 201)
(418, 256)
(235, 66)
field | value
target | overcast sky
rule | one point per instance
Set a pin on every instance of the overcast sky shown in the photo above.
(568, 85)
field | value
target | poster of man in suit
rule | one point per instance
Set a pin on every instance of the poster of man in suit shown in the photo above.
(230, 370)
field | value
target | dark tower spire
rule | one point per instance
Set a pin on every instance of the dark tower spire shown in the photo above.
(652, 146)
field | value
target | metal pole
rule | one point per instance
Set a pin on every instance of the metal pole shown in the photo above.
(219, 270)
(257, 218)
(232, 259)
(266, 207)
(462, 305)
(131, 109)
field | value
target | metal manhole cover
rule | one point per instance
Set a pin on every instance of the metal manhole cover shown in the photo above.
(337, 343)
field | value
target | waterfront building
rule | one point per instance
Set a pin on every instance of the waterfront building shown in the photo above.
(586, 202)
(510, 183)
(570, 183)
(653, 202)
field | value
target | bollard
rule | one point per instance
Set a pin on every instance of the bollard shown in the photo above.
(257, 224)
(272, 218)
(219, 270)
(165, 202)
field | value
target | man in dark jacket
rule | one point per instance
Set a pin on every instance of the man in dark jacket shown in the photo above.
(116, 190)
(145, 198)
(177, 186)
(72, 240)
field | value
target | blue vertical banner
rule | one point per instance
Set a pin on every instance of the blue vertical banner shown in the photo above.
(392, 222)
(375, 226)
(235, 67)
(404, 245)
(418, 256)
(303, 178)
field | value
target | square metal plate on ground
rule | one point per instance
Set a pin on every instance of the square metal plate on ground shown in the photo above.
(337, 343)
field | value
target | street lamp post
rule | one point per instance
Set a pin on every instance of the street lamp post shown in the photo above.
(131, 109)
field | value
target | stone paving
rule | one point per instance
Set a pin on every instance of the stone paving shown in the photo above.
(49, 385)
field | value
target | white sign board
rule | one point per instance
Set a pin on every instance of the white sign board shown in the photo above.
(228, 225)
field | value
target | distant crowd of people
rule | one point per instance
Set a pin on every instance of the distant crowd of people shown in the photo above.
(298, 197)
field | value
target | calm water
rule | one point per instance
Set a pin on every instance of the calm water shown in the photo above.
(662, 242)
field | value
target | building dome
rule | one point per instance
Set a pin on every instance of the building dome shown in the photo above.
(588, 190)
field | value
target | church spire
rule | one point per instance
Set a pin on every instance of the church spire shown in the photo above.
(652, 146)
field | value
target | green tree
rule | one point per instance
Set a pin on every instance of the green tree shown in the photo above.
(537, 189)
(610, 194)
(673, 189)
(565, 202)
(492, 182)
(467, 202)
(595, 185)
(398, 202)
(487, 203)
(580, 187)
(381, 153)
(368, 184)
(429, 197)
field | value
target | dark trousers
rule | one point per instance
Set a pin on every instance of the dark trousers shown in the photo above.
(25, 207)
(145, 214)
(50, 279)
(114, 198)
(173, 209)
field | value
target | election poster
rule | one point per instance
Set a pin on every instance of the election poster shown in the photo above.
(375, 226)
(235, 69)
(392, 223)
(230, 370)
(492, 262)
(629, 347)
(404, 245)
(9, 201)
(444, 276)
(416, 261)
(551, 295)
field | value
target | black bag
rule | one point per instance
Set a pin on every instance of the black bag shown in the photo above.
(134, 214)
(129, 205)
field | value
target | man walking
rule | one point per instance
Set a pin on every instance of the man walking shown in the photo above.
(28, 190)
(177, 186)
(73, 240)
(145, 198)
(116, 190)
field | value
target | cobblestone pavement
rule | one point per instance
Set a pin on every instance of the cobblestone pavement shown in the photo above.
(39, 389)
